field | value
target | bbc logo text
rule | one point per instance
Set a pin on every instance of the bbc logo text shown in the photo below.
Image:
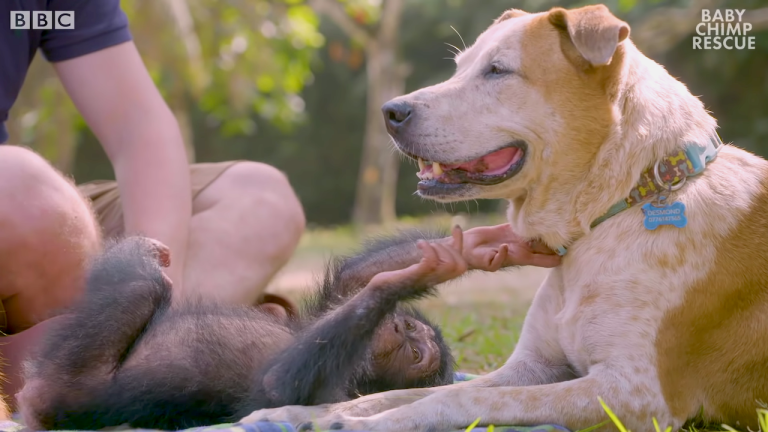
(42, 20)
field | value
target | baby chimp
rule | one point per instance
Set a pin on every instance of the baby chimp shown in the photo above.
(127, 354)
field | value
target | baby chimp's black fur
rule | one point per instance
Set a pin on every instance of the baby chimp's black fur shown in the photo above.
(126, 355)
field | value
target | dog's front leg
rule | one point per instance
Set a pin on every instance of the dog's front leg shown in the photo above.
(538, 357)
(364, 406)
(573, 404)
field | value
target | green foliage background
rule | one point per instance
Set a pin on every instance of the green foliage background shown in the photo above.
(296, 100)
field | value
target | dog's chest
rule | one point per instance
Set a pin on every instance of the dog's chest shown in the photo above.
(614, 309)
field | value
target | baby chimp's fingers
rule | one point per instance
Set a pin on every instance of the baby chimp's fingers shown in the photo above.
(451, 260)
(546, 261)
(458, 238)
(430, 258)
(525, 257)
(162, 252)
(499, 258)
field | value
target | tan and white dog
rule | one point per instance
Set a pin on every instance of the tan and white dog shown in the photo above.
(661, 316)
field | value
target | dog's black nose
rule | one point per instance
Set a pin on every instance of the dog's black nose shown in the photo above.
(396, 115)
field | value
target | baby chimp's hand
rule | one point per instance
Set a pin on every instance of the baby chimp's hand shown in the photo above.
(162, 252)
(440, 262)
(491, 248)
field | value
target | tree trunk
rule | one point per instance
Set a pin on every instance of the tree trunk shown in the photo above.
(377, 180)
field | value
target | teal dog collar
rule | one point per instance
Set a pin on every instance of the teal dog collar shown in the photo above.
(667, 174)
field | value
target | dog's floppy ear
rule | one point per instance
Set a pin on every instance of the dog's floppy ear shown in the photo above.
(593, 30)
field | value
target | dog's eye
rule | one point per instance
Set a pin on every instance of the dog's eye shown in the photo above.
(495, 70)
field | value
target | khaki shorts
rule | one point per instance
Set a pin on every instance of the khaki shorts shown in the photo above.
(105, 197)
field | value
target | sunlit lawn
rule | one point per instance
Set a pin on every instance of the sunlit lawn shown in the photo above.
(481, 336)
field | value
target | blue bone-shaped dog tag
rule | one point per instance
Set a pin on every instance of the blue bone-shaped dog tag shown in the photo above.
(671, 214)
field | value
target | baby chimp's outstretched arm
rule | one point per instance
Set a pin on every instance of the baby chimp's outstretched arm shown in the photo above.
(344, 277)
(484, 248)
(297, 378)
(125, 289)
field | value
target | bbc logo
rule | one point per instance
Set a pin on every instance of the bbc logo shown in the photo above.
(42, 20)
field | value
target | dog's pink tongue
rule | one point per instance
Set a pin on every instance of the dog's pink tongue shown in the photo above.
(491, 164)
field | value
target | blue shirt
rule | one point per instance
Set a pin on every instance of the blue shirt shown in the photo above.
(98, 24)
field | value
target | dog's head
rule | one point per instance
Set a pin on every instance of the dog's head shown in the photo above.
(529, 104)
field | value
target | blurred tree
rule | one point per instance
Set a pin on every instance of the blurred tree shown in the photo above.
(229, 58)
(44, 118)
(375, 26)
(322, 154)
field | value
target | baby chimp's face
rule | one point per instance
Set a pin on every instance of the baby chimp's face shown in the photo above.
(405, 350)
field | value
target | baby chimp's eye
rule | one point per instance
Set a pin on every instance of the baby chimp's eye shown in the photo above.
(416, 355)
(409, 326)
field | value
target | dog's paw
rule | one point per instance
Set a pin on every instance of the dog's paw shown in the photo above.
(292, 414)
(376, 403)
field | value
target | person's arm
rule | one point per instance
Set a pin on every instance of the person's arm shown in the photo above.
(115, 94)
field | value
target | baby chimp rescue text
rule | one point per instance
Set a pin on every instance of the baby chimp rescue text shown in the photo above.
(723, 29)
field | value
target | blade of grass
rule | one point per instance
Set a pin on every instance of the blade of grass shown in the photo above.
(597, 426)
(472, 426)
(613, 417)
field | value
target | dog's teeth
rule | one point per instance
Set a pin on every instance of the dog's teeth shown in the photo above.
(424, 175)
(421, 164)
(437, 169)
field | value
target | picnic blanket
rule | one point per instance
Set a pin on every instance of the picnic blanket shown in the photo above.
(12, 426)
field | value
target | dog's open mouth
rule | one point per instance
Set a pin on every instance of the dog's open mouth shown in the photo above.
(490, 169)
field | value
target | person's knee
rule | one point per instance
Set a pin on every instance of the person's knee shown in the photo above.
(258, 184)
(263, 202)
(22, 169)
(34, 193)
(47, 235)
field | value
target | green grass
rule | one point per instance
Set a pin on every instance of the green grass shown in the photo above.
(481, 335)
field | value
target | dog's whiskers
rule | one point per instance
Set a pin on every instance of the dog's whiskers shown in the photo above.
(462, 39)
(455, 53)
